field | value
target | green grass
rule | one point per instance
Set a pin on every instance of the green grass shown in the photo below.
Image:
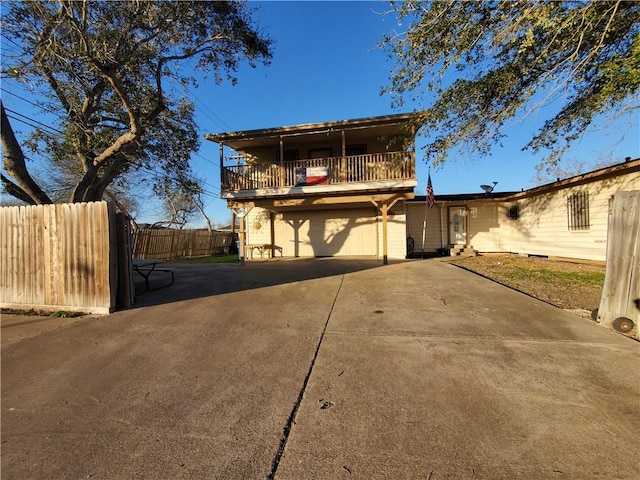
(553, 277)
(232, 258)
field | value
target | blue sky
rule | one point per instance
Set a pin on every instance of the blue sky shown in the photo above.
(326, 66)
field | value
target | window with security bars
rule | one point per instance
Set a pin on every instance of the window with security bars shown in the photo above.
(578, 211)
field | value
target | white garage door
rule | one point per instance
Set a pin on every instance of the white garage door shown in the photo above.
(327, 234)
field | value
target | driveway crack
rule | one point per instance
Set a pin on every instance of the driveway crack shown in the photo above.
(294, 411)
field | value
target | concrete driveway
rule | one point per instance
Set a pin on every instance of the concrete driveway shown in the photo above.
(323, 369)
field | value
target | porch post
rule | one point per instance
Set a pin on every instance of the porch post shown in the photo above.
(412, 173)
(343, 160)
(273, 234)
(385, 208)
(242, 236)
(281, 162)
(222, 179)
(241, 211)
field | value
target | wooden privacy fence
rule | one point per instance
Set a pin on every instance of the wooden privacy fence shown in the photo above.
(622, 276)
(169, 244)
(58, 257)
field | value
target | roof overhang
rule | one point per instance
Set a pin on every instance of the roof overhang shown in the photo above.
(388, 125)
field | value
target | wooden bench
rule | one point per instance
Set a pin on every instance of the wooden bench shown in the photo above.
(145, 267)
(262, 248)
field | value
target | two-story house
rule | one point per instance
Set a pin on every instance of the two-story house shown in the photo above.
(322, 189)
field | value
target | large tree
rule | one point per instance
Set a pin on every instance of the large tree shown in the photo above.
(114, 73)
(474, 66)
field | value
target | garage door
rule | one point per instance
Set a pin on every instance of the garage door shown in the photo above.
(327, 234)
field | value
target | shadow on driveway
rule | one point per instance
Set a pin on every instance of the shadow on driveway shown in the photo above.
(194, 280)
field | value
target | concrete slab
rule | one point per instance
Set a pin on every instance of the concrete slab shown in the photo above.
(324, 368)
(17, 327)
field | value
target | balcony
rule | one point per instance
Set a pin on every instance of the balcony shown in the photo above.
(375, 169)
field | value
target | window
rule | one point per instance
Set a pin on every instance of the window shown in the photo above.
(320, 152)
(578, 211)
(351, 150)
(514, 212)
(288, 155)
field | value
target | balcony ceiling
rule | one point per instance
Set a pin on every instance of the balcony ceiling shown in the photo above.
(355, 129)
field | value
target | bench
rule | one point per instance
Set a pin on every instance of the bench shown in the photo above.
(262, 248)
(145, 267)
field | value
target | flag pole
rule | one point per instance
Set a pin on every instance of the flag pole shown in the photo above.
(429, 201)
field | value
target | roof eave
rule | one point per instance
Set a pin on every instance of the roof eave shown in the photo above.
(311, 128)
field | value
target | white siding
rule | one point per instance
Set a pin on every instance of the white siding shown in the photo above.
(337, 232)
(435, 224)
(258, 226)
(396, 232)
(485, 222)
(543, 229)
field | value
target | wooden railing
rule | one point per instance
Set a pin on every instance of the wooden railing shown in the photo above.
(357, 168)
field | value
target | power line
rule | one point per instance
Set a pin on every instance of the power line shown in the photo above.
(220, 122)
(11, 41)
(49, 109)
(35, 123)
(197, 154)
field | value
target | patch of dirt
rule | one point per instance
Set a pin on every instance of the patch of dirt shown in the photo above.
(576, 287)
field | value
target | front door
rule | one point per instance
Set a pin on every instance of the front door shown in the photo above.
(458, 225)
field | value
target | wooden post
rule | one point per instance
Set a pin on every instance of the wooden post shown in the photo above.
(241, 211)
(385, 208)
(273, 233)
(412, 173)
(621, 287)
(281, 162)
(221, 165)
(343, 161)
(242, 237)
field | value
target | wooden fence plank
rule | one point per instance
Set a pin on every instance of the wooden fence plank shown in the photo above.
(622, 275)
(169, 244)
(57, 257)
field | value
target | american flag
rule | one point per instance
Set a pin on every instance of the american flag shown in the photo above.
(431, 199)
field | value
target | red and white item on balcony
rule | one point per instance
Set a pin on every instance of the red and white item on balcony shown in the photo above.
(312, 176)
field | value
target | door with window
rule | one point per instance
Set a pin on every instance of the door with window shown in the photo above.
(458, 225)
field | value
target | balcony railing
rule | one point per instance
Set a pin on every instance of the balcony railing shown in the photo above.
(372, 167)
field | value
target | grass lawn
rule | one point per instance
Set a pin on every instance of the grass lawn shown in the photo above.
(564, 284)
(232, 258)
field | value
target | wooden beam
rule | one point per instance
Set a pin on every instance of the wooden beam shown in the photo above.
(241, 211)
(312, 202)
(343, 161)
(385, 209)
(242, 237)
(281, 162)
(272, 223)
(221, 161)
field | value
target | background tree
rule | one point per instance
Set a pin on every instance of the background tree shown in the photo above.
(111, 71)
(486, 62)
(182, 201)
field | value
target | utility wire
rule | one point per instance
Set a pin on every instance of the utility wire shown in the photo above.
(49, 110)
(220, 122)
(35, 123)
(11, 41)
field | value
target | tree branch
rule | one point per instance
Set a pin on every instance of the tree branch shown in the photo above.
(15, 191)
(14, 163)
